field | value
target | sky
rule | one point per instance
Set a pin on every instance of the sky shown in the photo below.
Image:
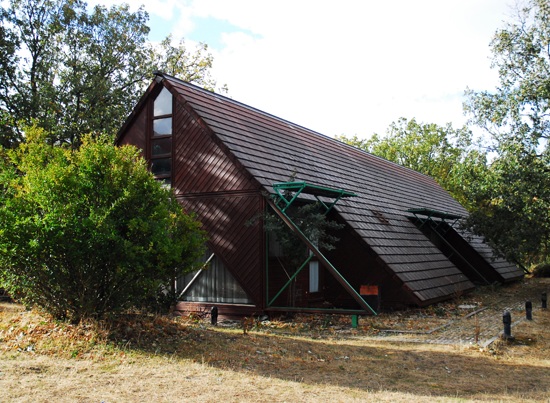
(347, 67)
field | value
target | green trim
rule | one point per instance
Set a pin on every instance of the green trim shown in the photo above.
(434, 213)
(267, 267)
(311, 189)
(358, 312)
(316, 191)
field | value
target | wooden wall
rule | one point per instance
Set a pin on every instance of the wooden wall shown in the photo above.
(136, 132)
(208, 182)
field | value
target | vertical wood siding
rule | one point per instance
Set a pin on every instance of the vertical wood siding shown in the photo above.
(200, 165)
(136, 133)
(238, 246)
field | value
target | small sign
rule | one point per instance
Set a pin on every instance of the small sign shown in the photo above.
(369, 290)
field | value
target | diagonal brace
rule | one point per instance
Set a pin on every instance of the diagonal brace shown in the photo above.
(290, 280)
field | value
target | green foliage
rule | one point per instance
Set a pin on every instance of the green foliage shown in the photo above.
(443, 153)
(541, 270)
(75, 71)
(513, 192)
(89, 231)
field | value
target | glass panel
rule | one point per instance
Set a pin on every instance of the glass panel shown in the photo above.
(215, 284)
(313, 276)
(275, 249)
(161, 146)
(162, 126)
(163, 103)
(161, 166)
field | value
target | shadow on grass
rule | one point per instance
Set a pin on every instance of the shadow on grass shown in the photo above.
(424, 370)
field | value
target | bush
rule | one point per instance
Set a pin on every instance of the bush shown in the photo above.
(89, 231)
(541, 270)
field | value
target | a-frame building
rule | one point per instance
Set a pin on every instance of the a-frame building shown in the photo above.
(220, 156)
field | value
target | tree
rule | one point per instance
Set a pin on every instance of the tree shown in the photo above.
(513, 196)
(89, 231)
(443, 153)
(77, 72)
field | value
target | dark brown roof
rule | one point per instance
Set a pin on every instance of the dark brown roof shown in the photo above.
(270, 148)
(507, 270)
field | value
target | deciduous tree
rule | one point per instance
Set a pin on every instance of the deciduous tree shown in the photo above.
(75, 72)
(514, 195)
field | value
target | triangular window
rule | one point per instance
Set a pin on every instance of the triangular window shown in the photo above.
(215, 284)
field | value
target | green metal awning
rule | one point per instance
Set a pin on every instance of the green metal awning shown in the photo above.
(304, 188)
(434, 213)
(425, 215)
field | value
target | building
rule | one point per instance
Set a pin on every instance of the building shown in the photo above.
(398, 246)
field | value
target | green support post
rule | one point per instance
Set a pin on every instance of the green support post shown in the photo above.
(354, 321)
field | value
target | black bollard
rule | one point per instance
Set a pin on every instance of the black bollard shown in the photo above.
(528, 310)
(507, 320)
(544, 298)
(214, 315)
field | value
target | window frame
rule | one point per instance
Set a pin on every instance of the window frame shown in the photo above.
(151, 137)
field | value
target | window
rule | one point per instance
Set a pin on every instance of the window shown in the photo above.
(314, 265)
(161, 138)
(314, 276)
(215, 284)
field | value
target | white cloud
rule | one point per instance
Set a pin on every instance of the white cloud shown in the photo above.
(357, 67)
(352, 66)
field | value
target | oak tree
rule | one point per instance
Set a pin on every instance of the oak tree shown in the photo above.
(513, 195)
(74, 71)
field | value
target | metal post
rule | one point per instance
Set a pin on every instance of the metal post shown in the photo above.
(354, 321)
(214, 315)
(507, 321)
(528, 310)
(544, 298)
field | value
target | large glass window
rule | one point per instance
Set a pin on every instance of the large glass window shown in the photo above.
(162, 127)
(161, 166)
(161, 138)
(214, 284)
(161, 146)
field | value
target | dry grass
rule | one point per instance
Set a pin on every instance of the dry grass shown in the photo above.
(146, 358)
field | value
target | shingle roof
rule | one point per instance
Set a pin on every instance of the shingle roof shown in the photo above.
(270, 148)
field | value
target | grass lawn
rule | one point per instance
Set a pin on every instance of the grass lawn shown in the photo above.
(135, 358)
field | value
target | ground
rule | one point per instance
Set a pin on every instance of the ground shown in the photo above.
(137, 357)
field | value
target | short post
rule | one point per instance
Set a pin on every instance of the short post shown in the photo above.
(507, 320)
(528, 310)
(544, 298)
(354, 321)
(214, 315)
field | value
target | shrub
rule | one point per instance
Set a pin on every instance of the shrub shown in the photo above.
(541, 270)
(89, 231)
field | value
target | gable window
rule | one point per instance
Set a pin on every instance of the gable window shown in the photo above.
(161, 138)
